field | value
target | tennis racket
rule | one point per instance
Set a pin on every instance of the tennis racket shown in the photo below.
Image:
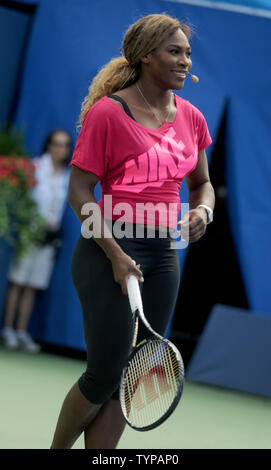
(152, 381)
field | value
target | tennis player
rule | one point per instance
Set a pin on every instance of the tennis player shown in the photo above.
(140, 140)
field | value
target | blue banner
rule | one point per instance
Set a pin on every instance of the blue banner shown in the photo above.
(251, 7)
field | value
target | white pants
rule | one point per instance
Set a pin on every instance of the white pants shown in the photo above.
(35, 268)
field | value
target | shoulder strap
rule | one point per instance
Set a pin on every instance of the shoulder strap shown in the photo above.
(125, 105)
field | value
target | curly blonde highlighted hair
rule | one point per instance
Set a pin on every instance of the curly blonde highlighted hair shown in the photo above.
(141, 38)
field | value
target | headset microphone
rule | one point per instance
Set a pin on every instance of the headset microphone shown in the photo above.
(194, 78)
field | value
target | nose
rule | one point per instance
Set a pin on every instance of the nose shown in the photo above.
(184, 60)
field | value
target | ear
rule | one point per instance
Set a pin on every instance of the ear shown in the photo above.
(146, 58)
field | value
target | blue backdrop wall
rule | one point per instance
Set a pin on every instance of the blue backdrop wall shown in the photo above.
(71, 40)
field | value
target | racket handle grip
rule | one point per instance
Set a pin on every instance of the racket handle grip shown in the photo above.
(134, 293)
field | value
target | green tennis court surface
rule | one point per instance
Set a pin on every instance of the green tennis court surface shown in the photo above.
(33, 388)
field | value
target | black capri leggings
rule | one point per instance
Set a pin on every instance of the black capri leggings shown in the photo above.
(107, 317)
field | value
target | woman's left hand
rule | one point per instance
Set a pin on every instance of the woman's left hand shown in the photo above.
(193, 224)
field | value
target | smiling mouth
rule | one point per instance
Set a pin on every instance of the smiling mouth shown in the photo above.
(180, 74)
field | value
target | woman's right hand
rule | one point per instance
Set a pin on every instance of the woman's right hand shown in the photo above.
(123, 266)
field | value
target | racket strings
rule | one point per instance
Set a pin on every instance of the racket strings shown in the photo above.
(151, 383)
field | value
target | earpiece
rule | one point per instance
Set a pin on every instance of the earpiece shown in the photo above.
(194, 78)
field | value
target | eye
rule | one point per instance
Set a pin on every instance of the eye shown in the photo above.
(188, 53)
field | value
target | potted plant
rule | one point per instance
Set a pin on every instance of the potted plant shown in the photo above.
(20, 222)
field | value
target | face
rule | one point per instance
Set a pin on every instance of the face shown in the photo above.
(59, 147)
(169, 63)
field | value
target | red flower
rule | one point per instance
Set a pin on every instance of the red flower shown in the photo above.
(31, 182)
(18, 170)
(13, 180)
(4, 172)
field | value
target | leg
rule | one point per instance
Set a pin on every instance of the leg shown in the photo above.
(11, 304)
(75, 414)
(105, 318)
(18, 275)
(162, 276)
(105, 431)
(40, 264)
(26, 307)
(160, 287)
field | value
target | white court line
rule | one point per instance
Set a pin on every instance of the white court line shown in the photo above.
(226, 6)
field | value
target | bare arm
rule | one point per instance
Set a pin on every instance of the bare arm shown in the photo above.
(81, 191)
(199, 185)
(201, 191)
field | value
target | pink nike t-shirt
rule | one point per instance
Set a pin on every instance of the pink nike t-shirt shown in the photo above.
(140, 169)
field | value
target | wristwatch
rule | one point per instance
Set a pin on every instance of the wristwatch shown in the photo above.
(210, 214)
